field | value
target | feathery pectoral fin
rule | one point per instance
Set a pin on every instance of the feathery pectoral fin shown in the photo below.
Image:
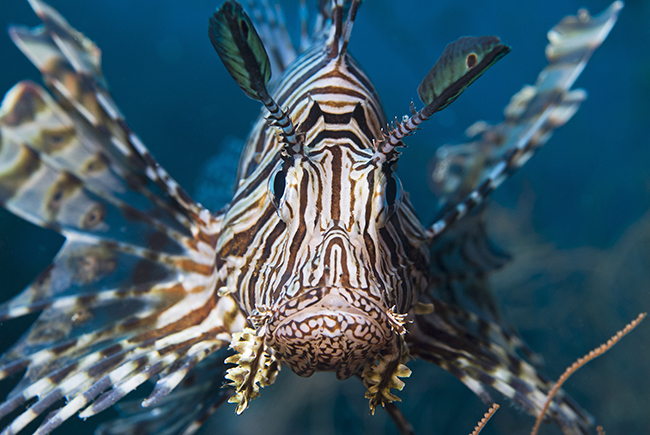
(70, 64)
(535, 111)
(56, 173)
(81, 52)
(132, 293)
(478, 358)
(180, 412)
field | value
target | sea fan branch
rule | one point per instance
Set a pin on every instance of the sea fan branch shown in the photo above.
(581, 362)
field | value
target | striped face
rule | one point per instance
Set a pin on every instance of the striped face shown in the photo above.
(333, 203)
(319, 246)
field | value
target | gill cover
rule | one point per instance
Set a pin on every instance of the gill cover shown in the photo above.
(240, 48)
(462, 62)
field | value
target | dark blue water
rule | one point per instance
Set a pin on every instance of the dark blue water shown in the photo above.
(574, 217)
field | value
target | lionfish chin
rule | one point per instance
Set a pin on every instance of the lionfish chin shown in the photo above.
(319, 261)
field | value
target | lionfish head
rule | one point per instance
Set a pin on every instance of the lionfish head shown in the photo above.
(334, 309)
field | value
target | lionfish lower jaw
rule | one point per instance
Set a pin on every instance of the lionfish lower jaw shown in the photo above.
(322, 329)
(330, 329)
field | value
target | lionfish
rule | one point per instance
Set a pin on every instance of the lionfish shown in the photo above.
(318, 262)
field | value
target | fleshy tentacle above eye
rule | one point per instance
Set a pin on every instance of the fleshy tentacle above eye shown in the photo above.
(461, 64)
(482, 353)
(463, 175)
(131, 295)
(242, 52)
(531, 117)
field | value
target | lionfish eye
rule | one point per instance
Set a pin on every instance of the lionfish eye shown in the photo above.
(277, 186)
(392, 189)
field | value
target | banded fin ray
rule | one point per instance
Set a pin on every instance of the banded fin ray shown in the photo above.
(481, 360)
(115, 358)
(88, 206)
(536, 111)
(73, 160)
(182, 411)
(56, 176)
(461, 63)
(119, 368)
(340, 29)
(476, 169)
(70, 64)
(132, 294)
(81, 139)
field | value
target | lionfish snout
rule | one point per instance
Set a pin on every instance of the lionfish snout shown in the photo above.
(329, 329)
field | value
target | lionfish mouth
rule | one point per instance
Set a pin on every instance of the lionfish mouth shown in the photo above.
(329, 329)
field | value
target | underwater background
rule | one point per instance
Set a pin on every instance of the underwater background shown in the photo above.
(575, 218)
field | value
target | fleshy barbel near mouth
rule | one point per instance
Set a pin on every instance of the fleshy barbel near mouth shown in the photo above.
(329, 329)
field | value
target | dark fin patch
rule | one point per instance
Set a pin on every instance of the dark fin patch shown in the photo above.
(240, 48)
